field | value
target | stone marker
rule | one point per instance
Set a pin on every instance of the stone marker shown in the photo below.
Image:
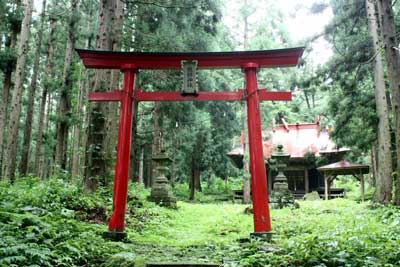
(312, 196)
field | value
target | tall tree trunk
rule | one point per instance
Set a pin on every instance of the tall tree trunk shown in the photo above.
(38, 148)
(147, 163)
(113, 115)
(10, 45)
(155, 148)
(23, 167)
(78, 127)
(384, 171)
(313, 99)
(141, 161)
(64, 108)
(374, 164)
(388, 31)
(246, 171)
(96, 161)
(246, 28)
(134, 159)
(17, 93)
(84, 132)
(197, 180)
(173, 163)
(47, 74)
(47, 159)
(307, 100)
(80, 139)
(192, 189)
(3, 112)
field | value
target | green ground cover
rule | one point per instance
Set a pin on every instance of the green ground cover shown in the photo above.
(54, 223)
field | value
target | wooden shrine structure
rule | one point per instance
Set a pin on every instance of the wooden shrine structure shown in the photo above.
(131, 62)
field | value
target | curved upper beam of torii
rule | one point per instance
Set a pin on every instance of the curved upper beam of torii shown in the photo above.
(249, 61)
(97, 59)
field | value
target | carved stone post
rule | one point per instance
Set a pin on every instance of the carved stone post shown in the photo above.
(161, 192)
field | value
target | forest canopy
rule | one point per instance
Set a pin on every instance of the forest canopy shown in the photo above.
(48, 127)
(58, 150)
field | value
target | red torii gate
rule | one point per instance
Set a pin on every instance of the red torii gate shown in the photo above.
(249, 61)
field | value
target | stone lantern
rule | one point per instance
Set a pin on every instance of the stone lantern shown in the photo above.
(161, 192)
(280, 195)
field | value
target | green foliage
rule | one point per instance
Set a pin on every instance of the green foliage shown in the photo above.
(352, 188)
(215, 190)
(334, 233)
(7, 60)
(55, 223)
(201, 132)
(346, 79)
(53, 195)
(181, 191)
(123, 259)
(41, 225)
(219, 186)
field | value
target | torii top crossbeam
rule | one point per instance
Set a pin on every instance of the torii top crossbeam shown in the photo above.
(248, 61)
(206, 60)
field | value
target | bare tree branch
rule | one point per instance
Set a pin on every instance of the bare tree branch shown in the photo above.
(158, 4)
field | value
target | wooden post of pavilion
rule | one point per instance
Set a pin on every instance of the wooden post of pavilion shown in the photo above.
(360, 177)
(326, 186)
(306, 181)
(328, 181)
(362, 187)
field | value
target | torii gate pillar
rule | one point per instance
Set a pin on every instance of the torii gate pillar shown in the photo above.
(116, 223)
(262, 224)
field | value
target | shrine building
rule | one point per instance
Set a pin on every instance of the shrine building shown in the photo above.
(306, 143)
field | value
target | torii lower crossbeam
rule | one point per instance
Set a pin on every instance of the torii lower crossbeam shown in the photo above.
(249, 62)
(140, 96)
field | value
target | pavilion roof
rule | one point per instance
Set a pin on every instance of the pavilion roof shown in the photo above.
(344, 168)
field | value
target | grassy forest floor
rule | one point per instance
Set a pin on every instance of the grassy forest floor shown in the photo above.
(54, 223)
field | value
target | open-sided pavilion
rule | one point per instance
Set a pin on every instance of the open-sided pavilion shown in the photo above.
(331, 171)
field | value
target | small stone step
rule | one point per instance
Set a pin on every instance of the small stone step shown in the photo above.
(183, 265)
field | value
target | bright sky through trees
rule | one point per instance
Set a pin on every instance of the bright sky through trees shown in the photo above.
(300, 22)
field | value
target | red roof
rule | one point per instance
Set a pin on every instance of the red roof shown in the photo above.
(343, 165)
(297, 139)
(205, 60)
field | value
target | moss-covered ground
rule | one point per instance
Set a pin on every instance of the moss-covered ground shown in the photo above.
(54, 223)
